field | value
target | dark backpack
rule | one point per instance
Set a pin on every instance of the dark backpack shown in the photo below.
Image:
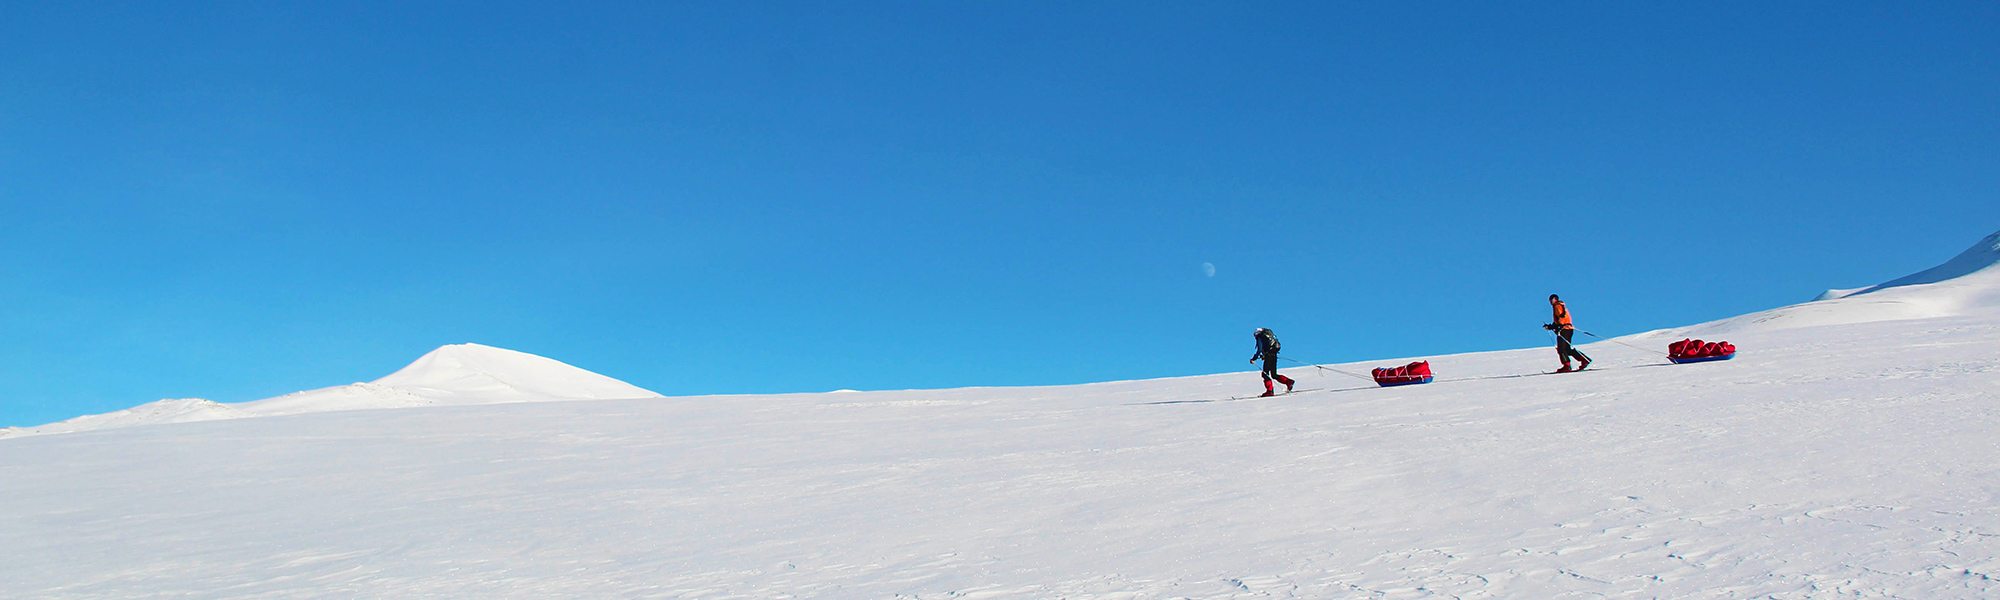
(1273, 336)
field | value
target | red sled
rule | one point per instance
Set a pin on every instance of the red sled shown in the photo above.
(1410, 374)
(1696, 351)
(1425, 379)
(1684, 361)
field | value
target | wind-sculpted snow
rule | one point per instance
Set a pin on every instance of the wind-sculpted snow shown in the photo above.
(1850, 461)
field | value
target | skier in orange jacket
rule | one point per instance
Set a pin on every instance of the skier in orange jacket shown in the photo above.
(1565, 328)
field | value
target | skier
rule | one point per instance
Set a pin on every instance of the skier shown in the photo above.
(1267, 349)
(1565, 329)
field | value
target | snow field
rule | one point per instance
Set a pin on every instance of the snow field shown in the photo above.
(1849, 451)
(1853, 461)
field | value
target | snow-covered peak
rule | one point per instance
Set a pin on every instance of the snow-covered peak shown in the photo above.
(1979, 258)
(475, 369)
(460, 374)
(1968, 283)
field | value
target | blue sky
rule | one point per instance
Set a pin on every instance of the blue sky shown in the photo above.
(237, 200)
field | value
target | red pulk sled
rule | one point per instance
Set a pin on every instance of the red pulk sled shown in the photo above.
(1410, 374)
(1694, 351)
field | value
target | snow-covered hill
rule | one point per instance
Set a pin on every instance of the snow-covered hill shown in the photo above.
(452, 375)
(456, 375)
(1967, 284)
(1980, 258)
(1846, 458)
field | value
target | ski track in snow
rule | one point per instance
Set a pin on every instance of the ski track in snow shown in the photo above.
(1840, 462)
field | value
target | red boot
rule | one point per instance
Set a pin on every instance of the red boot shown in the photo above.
(1267, 390)
(1288, 383)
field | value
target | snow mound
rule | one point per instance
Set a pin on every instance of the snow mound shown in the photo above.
(1832, 293)
(355, 396)
(454, 375)
(457, 375)
(179, 410)
(460, 374)
(473, 371)
(1965, 285)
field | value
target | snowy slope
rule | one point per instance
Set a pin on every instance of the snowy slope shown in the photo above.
(471, 373)
(1979, 258)
(173, 410)
(457, 374)
(1967, 284)
(1851, 460)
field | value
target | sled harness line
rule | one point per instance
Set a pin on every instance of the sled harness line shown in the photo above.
(1441, 379)
(1325, 368)
(1621, 343)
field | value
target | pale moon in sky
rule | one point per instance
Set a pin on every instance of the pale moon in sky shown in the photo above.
(1208, 268)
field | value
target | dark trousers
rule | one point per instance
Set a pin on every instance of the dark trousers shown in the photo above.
(1563, 348)
(1271, 371)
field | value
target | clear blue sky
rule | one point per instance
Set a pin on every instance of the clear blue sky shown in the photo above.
(237, 200)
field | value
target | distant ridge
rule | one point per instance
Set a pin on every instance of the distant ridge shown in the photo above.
(1980, 257)
(1965, 283)
(457, 374)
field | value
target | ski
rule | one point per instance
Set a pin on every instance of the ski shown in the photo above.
(1280, 394)
(1229, 399)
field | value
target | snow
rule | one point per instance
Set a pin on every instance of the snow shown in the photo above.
(1967, 284)
(1849, 458)
(475, 374)
(183, 410)
(1980, 257)
(458, 374)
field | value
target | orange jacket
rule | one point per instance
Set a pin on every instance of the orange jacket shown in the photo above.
(1562, 316)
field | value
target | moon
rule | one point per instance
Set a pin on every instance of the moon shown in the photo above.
(1208, 269)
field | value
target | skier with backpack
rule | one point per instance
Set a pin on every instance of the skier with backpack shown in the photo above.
(1267, 349)
(1565, 328)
